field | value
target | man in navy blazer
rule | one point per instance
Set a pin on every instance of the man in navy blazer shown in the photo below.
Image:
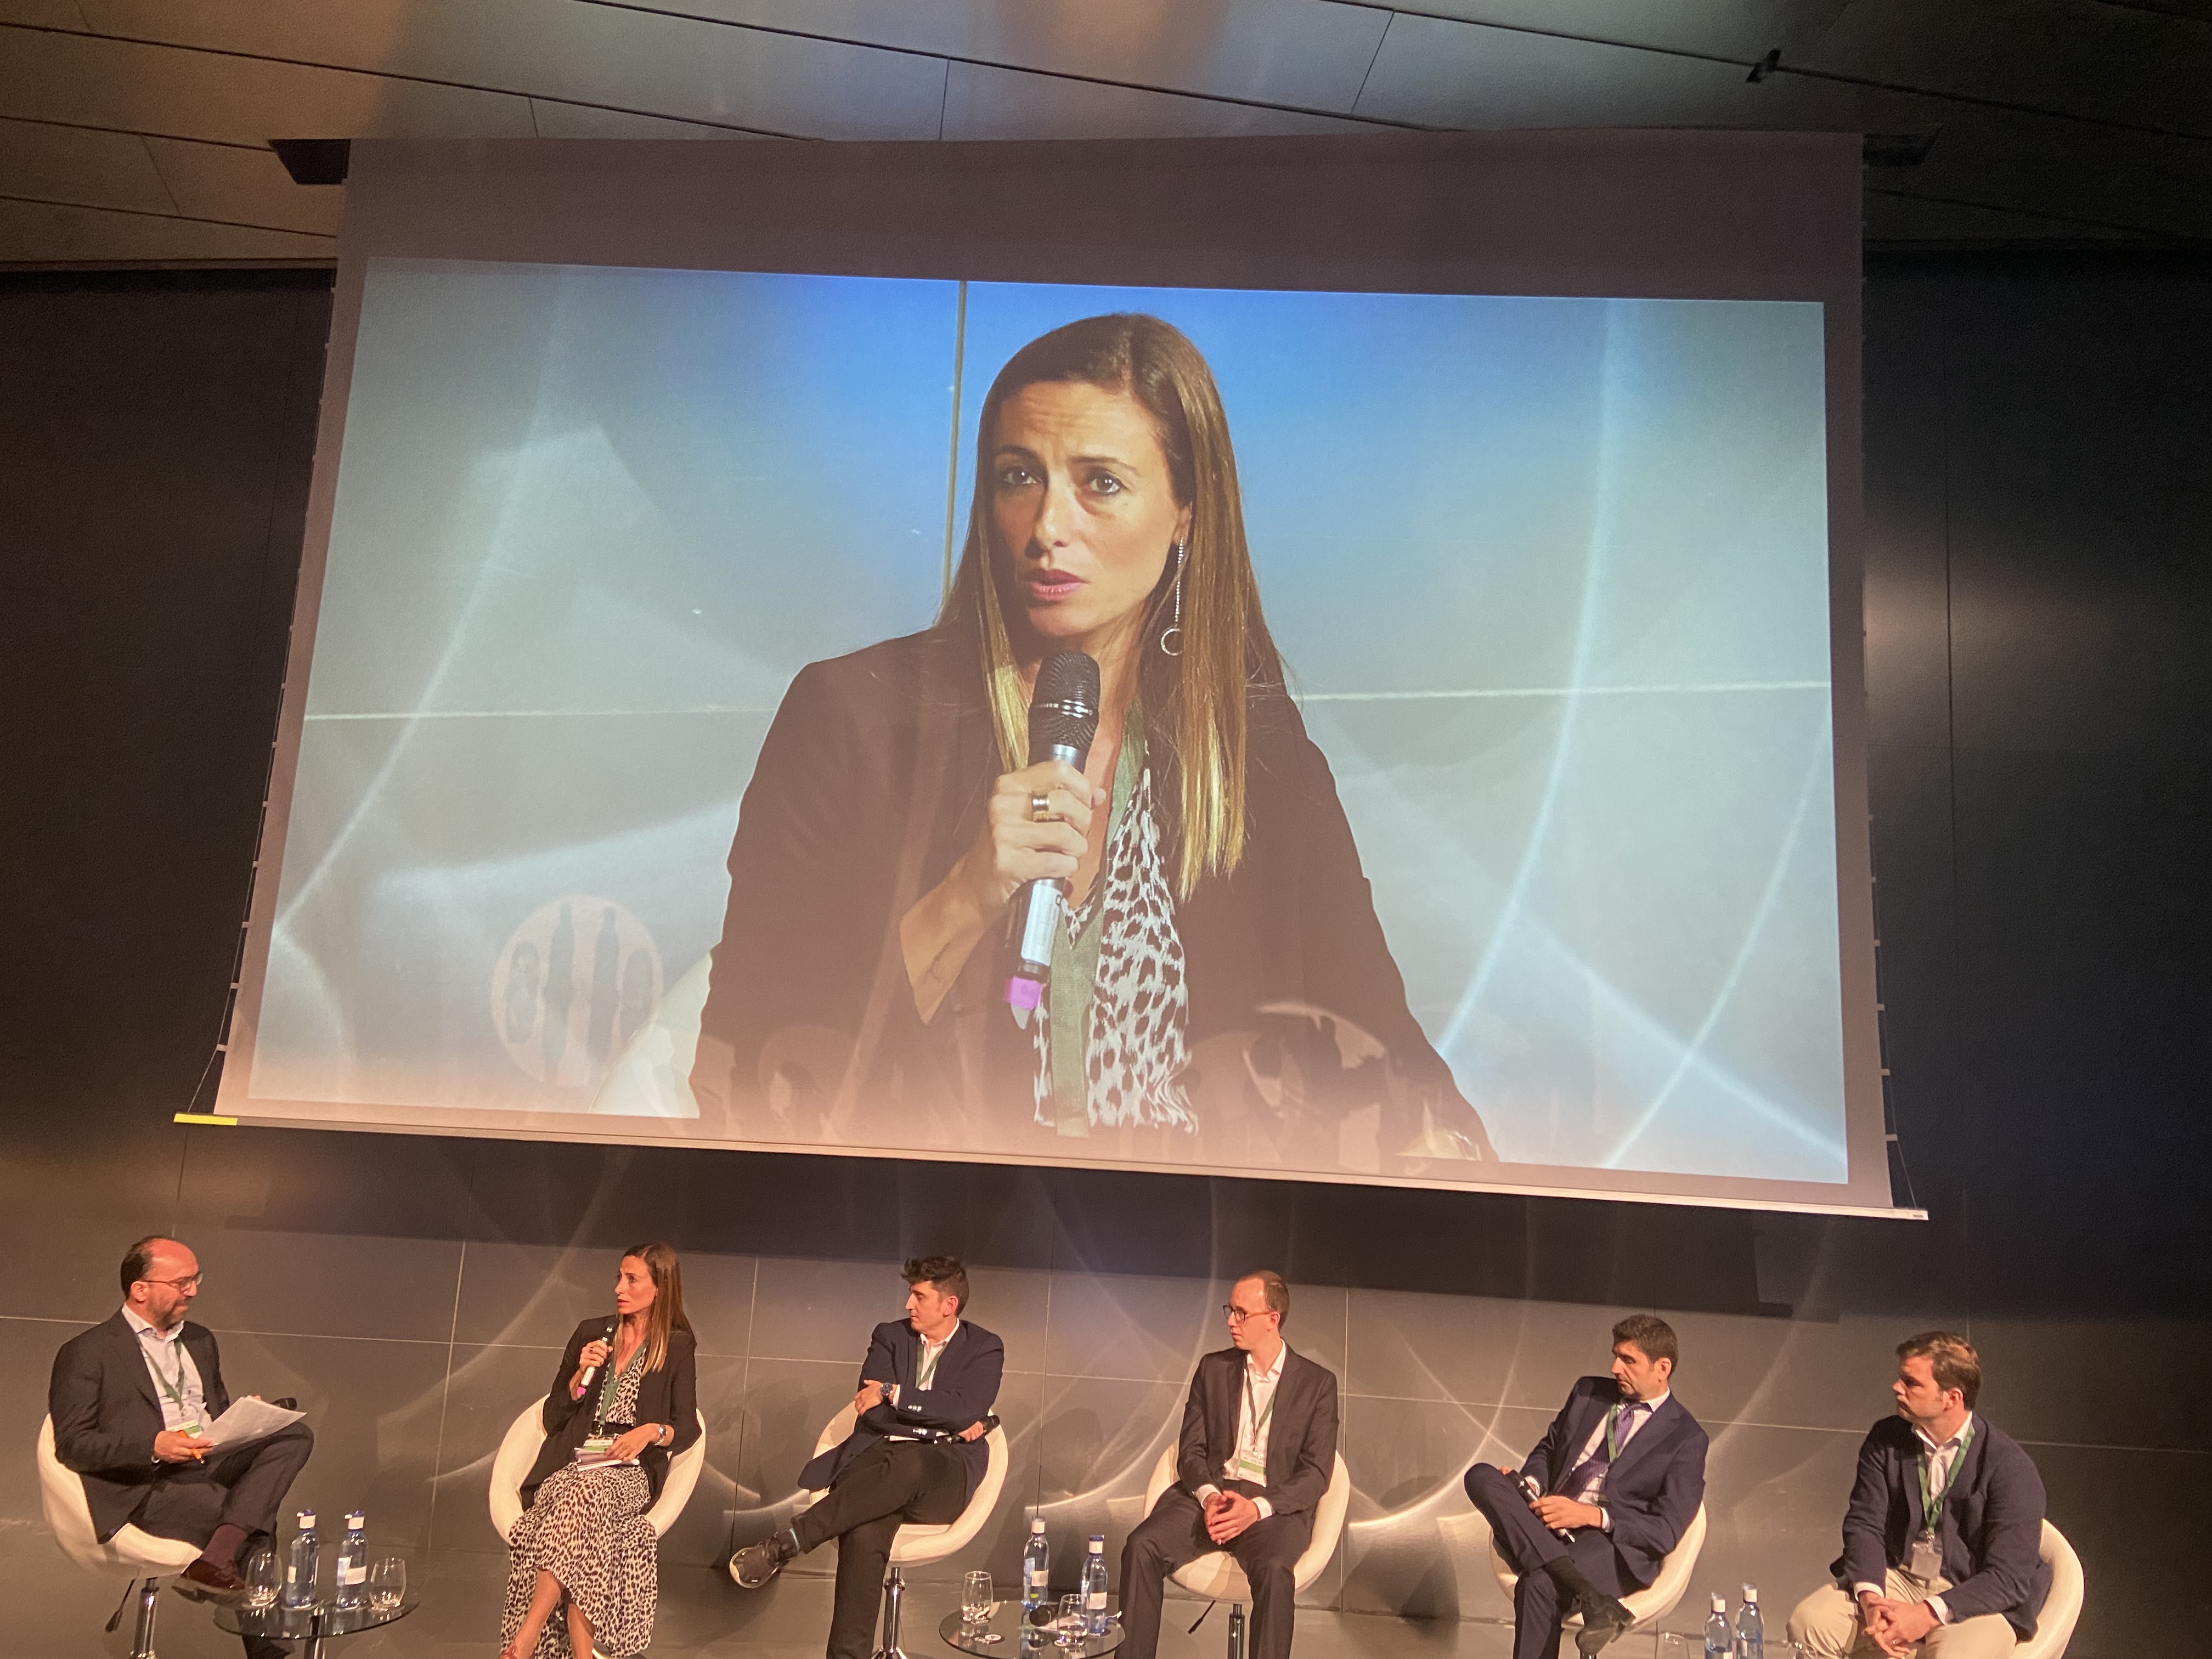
(1606, 1493)
(916, 1451)
(1944, 1531)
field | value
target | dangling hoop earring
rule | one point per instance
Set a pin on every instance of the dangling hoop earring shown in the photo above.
(1171, 636)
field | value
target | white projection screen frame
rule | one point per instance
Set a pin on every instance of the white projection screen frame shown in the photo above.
(1643, 226)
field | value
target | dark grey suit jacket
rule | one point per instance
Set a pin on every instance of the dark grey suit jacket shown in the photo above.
(1651, 1493)
(1301, 1429)
(106, 1414)
(1992, 1533)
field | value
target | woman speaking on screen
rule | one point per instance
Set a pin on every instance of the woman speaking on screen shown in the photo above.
(1221, 990)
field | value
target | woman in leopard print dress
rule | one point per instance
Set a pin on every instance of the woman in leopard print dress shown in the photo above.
(583, 1548)
(1221, 991)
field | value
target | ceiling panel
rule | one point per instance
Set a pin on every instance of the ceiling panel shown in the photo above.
(996, 103)
(192, 94)
(643, 61)
(1299, 53)
(44, 163)
(558, 120)
(1744, 31)
(37, 233)
(243, 187)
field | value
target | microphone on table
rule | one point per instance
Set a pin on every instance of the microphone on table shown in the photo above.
(590, 1371)
(1063, 719)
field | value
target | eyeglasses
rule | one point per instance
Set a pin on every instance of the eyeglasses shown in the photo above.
(1238, 1316)
(190, 1284)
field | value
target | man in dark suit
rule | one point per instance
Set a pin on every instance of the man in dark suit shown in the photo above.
(1602, 1500)
(130, 1400)
(916, 1453)
(1257, 1451)
(1942, 1539)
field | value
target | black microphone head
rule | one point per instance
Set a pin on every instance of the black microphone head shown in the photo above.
(1064, 709)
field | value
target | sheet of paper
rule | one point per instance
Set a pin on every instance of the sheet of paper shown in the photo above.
(248, 1420)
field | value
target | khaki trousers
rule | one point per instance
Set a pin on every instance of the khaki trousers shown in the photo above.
(1826, 1623)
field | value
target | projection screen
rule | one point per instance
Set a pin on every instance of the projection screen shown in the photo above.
(640, 728)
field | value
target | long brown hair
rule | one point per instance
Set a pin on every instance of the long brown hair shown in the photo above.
(1196, 724)
(667, 1314)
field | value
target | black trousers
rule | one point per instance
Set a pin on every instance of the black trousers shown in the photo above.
(1173, 1535)
(243, 1489)
(1529, 1545)
(892, 1481)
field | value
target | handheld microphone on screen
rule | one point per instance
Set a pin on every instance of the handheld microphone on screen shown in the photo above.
(1063, 719)
(590, 1371)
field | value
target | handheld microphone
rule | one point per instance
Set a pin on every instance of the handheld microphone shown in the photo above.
(1063, 719)
(590, 1371)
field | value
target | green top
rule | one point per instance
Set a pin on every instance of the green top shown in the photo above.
(1075, 959)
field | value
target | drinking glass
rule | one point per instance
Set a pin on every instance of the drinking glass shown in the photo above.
(387, 1584)
(975, 1598)
(1069, 1630)
(260, 1577)
(1667, 1645)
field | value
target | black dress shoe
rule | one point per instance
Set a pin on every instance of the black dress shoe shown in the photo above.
(1603, 1619)
(203, 1581)
(755, 1564)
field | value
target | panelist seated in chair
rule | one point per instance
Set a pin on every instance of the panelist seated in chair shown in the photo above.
(131, 1399)
(1942, 1538)
(916, 1453)
(1603, 1499)
(1257, 1449)
(628, 1398)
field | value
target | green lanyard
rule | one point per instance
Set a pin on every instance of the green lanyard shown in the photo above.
(1259, 1413)
(173, 1387)
(1932, 1503)
(610, 1384)
(1612, 1434)
(927, 1374)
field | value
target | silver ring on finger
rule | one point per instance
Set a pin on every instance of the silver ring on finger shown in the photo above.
(1041, 810)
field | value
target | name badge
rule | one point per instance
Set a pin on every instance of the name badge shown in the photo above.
(1248, 1465)
(191, 1428)
(1924, 1560)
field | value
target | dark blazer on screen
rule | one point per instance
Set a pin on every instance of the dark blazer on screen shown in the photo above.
(1992, 1530)
(106, 1414)
(1302, 1429)
(961, 1392)
(1651, 1491)
(669, 1395)
(870, 784)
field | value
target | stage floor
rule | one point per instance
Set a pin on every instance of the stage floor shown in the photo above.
(57, 1612)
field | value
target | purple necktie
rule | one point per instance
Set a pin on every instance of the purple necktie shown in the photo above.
(1590, 1472)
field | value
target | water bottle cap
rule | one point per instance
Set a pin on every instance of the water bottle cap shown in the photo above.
(1098, 1546)
(1750, 1593)
(1037, 1523)
(1720, 1603)
(307, 1519)
(354, 1520)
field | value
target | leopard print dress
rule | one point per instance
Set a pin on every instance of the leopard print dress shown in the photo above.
(588, 1527)
(1134, 1050)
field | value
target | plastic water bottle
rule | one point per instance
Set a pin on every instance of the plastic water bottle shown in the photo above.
(1094, 1586)
(1719, 1644)
(1750, 1629)
(1037, 1566)
(302, 1564)
(352, 1574)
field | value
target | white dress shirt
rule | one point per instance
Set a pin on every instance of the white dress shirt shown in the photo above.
(1631, 1424)
(1941, 1460)
(1254, 1399)
(170, 1366)
(926, 1362)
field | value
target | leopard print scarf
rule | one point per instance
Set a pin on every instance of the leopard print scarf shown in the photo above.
(1134, 1051)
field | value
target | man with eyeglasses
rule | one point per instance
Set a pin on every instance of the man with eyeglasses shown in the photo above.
(1257, 1449)
(131, 1399)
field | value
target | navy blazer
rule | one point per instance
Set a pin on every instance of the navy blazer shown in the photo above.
(961, 1392)
(1302, 1429)
(106, 1414)
(1653, 1489)
(1992, 1531)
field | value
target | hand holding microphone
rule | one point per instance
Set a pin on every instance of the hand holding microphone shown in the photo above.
(594, 1355)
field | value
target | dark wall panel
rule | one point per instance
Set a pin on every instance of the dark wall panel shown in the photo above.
(2038, 591)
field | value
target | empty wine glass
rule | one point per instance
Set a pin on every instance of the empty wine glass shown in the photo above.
(975, 1598)
(1669, 1644)
(387, 1584)
(260, 1577)
(1069, 1628)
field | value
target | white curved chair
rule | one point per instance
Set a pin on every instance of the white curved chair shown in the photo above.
(1656, 1600)
(2062, 1608)
(519, 1450)
(130, 1554)
(1216, 1574)
(915, 1542)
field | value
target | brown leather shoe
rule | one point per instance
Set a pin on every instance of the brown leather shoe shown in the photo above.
(203, 1581)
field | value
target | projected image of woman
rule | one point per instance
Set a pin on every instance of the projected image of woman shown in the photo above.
(1221, 990)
